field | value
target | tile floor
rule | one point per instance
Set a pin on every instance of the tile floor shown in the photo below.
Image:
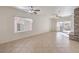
(51, 42)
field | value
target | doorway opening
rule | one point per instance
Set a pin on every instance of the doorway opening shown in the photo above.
(64, 27)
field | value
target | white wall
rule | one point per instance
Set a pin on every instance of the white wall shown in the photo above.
(41, 24)
(53, 25)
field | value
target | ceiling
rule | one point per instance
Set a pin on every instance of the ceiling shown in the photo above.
(52, 10)
(59, 10)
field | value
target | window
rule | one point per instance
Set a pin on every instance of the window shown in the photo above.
(22, 24)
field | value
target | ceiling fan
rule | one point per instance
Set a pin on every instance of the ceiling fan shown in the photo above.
(32, 10)
(28, 9)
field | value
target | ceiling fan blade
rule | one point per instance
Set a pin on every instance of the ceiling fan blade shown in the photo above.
(37, 10)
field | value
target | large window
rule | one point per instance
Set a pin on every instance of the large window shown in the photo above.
(22, 24)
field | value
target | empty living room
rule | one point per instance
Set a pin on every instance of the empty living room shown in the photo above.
(39, 29)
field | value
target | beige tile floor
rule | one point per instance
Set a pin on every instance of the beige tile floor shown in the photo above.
(51, 42)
